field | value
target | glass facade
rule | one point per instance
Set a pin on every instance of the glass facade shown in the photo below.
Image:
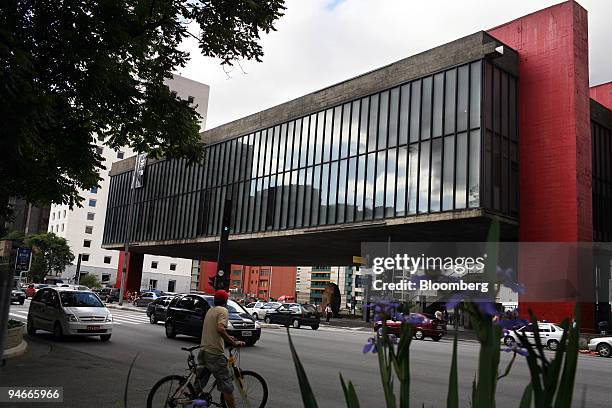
(444, 142)
(602, 182)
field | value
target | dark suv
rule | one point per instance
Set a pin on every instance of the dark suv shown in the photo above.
(185, 315)
(294, 314)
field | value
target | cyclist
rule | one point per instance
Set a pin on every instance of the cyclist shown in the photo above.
(211, 359)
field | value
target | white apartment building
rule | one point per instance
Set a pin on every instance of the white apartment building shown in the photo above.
(83, 226)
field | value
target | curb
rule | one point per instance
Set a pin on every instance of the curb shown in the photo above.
(130, 308)
(15, 351)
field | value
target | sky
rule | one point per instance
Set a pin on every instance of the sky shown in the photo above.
(322, 42)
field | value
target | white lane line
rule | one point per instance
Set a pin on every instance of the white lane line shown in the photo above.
(23, 312)
(126, 321)
(16, 315)
(134, 319)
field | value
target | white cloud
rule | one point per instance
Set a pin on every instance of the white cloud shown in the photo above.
(322, 42)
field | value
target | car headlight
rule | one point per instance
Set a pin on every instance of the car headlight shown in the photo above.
(72, 318)
(109, 318)
(257, 325)
(230, 326)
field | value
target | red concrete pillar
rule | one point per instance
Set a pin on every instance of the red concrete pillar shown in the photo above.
(134, 271)
(555, 149)
(603, 94)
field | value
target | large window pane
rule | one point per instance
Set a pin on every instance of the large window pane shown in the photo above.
(300, 198)
(413, 170)
(449, 101)
(320, 125)
(363, 125)
(393, 116)
(251, 210)
(400, 200)
(272, 150)
(390, 191)
(354, 144)
(346, 122)
(336, 132)
(474, 166)
(379, 202)
(351, 190)
(462, 98)
(369, 191)
(308, 197)
(461, 172)
(312, 139)
(404, 116)
(340, 213)
(280, 183)
(438, 104)
(426, 108)
(327, 143)
(373, 123)
(289, 150)
(449, 173)
(475, 80)
(436, 175)
(383, 118)
(424, 178)
(282, 147)
(360, 189)
(286, 188)
(316, 196)
(297, 132)
(257, 213)
(415, 110)
(333, 193)
(268, 200)
(324, 194)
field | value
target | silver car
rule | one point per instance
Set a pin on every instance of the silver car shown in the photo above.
(602, 345)
(66, 311)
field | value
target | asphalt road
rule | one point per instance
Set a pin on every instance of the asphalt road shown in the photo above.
(95, 372)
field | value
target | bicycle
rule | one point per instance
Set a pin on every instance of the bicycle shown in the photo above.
(251, 389)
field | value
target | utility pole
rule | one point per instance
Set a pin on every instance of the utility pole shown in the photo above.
(222, 278)
(77, 275)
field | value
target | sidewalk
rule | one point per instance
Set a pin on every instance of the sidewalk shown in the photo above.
(126, 306)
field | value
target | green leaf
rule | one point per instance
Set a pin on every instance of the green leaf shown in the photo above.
(568, 376)
(307, 394)
(384, 364)
(526, 399)
(452, 399)
(349, 394)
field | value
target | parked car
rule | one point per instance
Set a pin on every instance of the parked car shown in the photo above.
(423, 326)
(259, 309)
(76, 287)
(32, 288)
(145, 298)
(602, 345)
(185, 315)
(18, 296)
(550, 335)
(66, 311)
(113, 295)
(156, 310)
(294, 314)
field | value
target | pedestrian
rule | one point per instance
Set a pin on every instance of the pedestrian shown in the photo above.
(328, 313)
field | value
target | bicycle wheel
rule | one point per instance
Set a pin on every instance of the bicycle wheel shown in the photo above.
(167, 393)
(253, 395)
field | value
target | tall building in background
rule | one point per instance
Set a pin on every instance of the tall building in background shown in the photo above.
(313, 280)
(83, 227)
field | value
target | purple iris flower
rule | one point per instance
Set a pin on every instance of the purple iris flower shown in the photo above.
(370, 346)
(516, 349)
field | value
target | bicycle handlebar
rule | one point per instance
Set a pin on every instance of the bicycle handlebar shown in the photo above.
(191, 348)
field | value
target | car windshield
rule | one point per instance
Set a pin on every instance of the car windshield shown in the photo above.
(80, 299)
(234, 307)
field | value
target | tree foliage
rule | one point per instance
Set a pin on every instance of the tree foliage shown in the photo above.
(89, 280)
(78, 73)
(50, 255)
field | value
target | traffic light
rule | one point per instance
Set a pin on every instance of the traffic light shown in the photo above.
(222, 280)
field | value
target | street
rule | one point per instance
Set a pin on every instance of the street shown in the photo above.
(94, 373)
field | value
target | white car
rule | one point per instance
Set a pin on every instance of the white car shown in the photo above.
(550, 335)
(66, 311)
(602, 345)
(259, 309)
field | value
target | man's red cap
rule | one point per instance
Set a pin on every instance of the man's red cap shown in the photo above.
(221, 295)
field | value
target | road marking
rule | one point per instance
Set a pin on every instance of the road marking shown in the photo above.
(120, 319)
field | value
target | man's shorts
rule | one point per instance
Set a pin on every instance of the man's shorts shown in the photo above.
(215, 364)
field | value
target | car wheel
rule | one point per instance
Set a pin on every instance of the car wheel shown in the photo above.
(152, 318)
(604, 350)
(267, 320)
(509, 341)
(295, 324)
(58, 333)
(170, 330)
(419, 335)
(250, 343)
(552, 344)
(21, 301)
(255, 316)
(380, 331)
(105, 337)
(315, 326)
(30, 327)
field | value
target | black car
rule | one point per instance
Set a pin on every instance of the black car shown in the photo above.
(156, 310)
(112, 295)
(185, 315)
(294, 314)
(18, 296)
